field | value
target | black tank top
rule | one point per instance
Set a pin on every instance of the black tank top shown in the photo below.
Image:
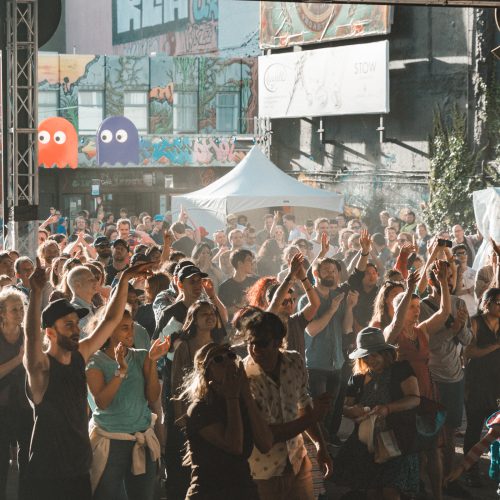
(482, 375)
(60, 445)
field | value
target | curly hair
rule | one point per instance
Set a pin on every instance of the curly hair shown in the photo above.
(256, 294)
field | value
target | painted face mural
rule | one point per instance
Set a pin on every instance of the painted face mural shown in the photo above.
(117, 141)
(57, 143)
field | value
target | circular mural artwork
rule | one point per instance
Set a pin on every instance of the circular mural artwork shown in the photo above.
(316, 16)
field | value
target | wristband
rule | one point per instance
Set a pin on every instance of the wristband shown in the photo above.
(305, 279)
(365, 254)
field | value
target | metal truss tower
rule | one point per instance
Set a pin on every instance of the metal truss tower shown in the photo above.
(22, 137)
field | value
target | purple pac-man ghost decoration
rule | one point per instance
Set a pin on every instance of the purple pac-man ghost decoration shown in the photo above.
(117, 141)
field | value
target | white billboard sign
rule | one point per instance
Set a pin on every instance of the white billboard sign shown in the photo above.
(347, 80)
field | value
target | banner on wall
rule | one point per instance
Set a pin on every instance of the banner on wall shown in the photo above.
(283, 24)
(348, 80)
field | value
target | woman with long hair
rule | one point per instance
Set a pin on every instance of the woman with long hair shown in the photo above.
(383, 308)
(56, 271)
(381, 385)
(16, 420)
(123, 383)
(269, 258)
(279, 236)
(202, 257)
(482, 372)
(412, 337)
(256, 294)
(222, 425)
(200, 328)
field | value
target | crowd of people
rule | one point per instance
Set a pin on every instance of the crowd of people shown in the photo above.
(231, 358)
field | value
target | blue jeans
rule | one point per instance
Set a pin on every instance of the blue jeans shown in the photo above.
(117, 481)
(321, 381)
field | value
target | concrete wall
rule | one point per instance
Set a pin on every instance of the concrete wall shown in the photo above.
(428, 70)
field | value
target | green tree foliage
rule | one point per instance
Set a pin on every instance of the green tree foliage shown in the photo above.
(452, 177)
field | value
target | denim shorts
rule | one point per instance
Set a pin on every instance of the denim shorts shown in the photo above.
(451, 396)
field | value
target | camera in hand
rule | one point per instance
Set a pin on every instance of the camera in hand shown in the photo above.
(444, 243)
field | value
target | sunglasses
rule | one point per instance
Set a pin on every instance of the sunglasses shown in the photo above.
(460, 253)
(260, 344)
(355, 227)
(291, 300)
(219, 358)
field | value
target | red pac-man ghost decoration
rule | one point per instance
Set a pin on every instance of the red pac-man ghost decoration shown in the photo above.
(57, 143)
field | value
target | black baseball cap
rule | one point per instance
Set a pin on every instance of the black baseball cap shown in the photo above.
(58, 309)
(188, 271)
(101, 241)
(182, 264)
(139, 257)
(121, 242)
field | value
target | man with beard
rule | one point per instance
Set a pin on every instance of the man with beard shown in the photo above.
(324, 338)
(282, 302)
(60, 452)
(119, 260)
(103, 248)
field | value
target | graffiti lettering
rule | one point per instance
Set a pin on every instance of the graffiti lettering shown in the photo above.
(132, 15)
(205, 10)
(200, 38)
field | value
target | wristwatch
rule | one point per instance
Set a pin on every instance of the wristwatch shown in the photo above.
(118, 373)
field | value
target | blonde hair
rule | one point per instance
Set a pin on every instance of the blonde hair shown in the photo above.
(9, 294)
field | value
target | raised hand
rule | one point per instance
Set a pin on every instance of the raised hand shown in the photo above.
(159, 348)
(295, 265)
(120, 352)
(412, 280)
(336, 301)
(352, 298)
(208, 286)
(442, 272)
(495, 246)
(365, 242)
(140, 270)
(325, 245)
(39, 278)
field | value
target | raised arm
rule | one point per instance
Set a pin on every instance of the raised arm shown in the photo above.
(312, 306)
(35, 360)
(438, 319)
(496, 267)
(293, 270)
(318, 325)
(433, 250)
(392, 331)
(208, 286)
(366, 245)
(114, 311)
(167, 244)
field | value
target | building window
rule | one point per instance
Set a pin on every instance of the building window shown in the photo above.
(90, 111)
(227, 112)
(185, 112)
(135, 108)
(48, 104)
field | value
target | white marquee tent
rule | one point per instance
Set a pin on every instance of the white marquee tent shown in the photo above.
(252, 188)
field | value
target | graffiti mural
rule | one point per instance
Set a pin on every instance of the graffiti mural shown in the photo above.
(173, 151)
(283, 24)
(159, 77)
(174, 27)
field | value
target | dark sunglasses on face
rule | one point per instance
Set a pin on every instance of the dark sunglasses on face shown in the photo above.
(458, 254)
(355, 227)
(291, 300)
(219, 358)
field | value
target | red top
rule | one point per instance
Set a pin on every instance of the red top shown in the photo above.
(417, 354)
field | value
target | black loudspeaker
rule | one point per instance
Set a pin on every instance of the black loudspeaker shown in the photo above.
(49, 16)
